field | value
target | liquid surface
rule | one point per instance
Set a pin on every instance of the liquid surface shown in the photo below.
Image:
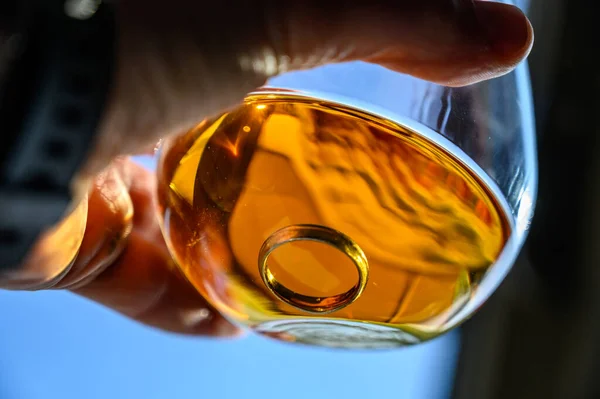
(428, 227)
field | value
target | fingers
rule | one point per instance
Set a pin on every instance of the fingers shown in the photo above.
(181, 61)
(124, 263)
(451, 43)
(144, 285)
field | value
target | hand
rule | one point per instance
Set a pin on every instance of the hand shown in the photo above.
(183, 60)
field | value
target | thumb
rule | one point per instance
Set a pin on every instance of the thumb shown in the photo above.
(183, 60)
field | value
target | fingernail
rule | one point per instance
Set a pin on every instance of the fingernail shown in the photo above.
(508, 30)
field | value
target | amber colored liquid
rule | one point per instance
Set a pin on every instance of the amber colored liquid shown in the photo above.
(428, 226)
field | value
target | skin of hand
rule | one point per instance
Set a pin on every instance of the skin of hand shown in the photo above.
(183, 60)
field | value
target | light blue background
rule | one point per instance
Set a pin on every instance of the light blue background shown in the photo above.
(57, 345)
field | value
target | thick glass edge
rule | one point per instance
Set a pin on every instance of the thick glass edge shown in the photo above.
(525, 207)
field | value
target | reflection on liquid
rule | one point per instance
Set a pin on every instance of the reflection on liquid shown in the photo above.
(428, 227)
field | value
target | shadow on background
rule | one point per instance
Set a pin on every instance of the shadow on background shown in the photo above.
(539, 335)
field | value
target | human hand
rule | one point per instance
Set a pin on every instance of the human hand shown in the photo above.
(180, 62)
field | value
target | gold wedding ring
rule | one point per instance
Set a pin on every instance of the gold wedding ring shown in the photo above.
(324, 235)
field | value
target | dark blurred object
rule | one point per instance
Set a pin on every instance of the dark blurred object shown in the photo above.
(55, 70)
(539, 335)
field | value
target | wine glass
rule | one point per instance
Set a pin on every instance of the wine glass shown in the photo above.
(352, 206)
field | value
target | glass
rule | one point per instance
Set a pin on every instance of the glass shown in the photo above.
(352, 206)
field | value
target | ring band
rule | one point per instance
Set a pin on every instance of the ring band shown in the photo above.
(324, 235)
